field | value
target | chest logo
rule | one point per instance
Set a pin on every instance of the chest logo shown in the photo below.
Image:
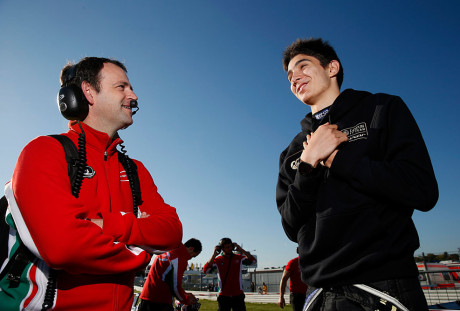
(359, 131)
(88, 172)
(295, 164)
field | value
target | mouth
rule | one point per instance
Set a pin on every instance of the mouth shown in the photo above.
(301, 87)
(127, 107)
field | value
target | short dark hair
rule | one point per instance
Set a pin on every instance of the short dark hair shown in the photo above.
(317, 48)
(87, 69)
(196, 244)
(225, 241)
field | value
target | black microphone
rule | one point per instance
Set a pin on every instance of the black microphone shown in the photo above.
(133, 104)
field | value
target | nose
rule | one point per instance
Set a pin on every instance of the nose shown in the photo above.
(132, 95)
(295, 76)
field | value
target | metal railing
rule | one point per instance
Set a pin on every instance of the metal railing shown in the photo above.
(440, 286)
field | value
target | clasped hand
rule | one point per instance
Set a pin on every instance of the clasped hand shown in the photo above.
(321, 146)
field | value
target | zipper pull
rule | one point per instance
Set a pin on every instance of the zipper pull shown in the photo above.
(105, 155)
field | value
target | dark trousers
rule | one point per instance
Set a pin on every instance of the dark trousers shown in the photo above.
(146, 305)
(350, 298)
(236, 303)
(297, 301)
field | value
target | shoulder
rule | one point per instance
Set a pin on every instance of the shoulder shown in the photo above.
(43, 146)
(378, 98)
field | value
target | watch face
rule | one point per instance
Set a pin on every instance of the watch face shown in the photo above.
(305, 168)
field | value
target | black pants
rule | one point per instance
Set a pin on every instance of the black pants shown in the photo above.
(350, 298)
(236, 303)
(297, 301)
(146, 305)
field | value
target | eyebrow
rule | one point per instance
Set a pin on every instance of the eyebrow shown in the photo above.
(125, 84)
(295, 65)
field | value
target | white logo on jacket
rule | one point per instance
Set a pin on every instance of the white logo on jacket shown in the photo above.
(359, 131)
(88, 172)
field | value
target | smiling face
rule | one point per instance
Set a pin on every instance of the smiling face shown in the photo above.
(110, 107)
(312, 83)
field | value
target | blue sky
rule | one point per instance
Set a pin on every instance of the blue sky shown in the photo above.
(215, 105)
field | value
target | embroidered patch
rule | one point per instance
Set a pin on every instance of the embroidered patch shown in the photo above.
(359, 131)
(88, 172)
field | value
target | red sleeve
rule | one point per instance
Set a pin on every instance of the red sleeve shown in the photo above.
(289, 265)
(207, 267)
(55, 220)
(179, 291)
(162, 230)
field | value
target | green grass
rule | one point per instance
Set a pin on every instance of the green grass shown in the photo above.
(209, 305)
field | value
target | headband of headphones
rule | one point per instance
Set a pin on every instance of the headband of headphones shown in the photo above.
(224, 241)
(71, 101)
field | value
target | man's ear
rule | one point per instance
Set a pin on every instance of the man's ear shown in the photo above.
(334, 67)
(88, 92)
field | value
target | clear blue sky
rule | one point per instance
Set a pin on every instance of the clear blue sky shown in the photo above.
(215, 105)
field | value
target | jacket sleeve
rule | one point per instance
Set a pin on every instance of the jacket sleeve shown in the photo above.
(55, 221)
(404, 174)
(177, 289)
(296, 201)
(207, 267)
(161, 230)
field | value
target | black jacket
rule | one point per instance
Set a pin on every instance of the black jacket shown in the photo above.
(353, 222)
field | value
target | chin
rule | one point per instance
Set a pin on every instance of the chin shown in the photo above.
(127, 124)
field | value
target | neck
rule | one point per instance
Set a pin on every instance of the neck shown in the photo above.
(324, 101)
(100, 127)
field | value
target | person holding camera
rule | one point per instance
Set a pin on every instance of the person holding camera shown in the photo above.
(229, 264)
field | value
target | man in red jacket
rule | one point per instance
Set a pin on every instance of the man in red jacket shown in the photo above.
(95, 242)
(229, 265)
(165, 278)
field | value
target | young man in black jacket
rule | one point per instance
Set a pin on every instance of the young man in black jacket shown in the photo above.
(347, 187)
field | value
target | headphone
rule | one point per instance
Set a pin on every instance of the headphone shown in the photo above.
(71, 101)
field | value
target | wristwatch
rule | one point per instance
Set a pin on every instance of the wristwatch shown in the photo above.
(305, 168)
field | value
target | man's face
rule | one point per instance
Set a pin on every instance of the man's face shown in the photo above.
(309, 79)
(111, 104)
(194, 254)
(227, 249)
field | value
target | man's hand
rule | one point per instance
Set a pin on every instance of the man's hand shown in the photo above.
(217, 250)
(322, 144)
(237, 247)
(191, 299)
(330, 159)
(98, 222)
(281, 302)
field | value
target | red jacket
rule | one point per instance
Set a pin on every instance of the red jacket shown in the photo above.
(96, 266)
(233, 283)
(296, 284)
(165, 277)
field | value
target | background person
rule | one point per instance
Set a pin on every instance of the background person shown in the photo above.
(229, 266)
(297, 288)
(165, 278)
(348, 185)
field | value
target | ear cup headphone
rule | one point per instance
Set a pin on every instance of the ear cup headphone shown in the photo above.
(71, 101)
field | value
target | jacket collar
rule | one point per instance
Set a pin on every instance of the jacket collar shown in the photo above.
(342, 104)
(96, 139)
